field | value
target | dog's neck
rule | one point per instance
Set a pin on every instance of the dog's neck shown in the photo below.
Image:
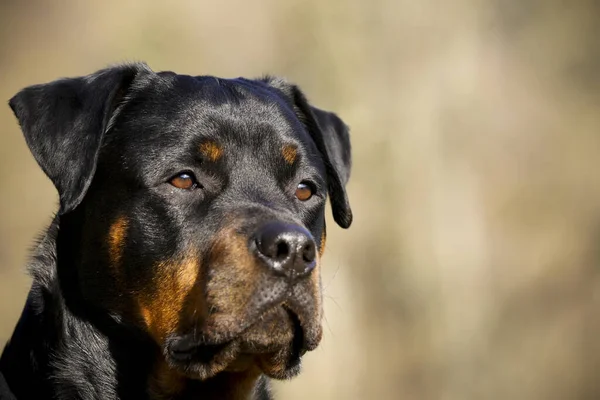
(55, 353)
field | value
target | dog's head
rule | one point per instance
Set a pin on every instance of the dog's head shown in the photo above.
(201, 205)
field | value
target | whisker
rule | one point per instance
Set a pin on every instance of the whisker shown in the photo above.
(333, 277)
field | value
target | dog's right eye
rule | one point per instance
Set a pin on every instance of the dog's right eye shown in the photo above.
(184, 180)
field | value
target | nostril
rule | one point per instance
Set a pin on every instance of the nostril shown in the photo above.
(308, 252)
(283, 250)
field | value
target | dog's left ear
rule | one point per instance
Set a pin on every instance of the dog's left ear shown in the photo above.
(64, 124)
(331, 135)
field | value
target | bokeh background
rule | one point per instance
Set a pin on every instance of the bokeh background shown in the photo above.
(472, 270)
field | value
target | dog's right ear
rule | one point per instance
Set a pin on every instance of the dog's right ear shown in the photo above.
(64, 123)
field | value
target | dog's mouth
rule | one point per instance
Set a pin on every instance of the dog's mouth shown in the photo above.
(275, 344)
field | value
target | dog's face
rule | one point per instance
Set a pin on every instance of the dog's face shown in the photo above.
(202, 208)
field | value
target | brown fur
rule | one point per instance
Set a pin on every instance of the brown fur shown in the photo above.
(322, 243)
(289, 153)
(166, 383)
(116, 239)
(211, 150)
(234, 278)
(175, 282)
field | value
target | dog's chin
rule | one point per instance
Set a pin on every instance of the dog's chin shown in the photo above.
(274, 345)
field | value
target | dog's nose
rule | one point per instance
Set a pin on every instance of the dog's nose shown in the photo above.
(287, 249)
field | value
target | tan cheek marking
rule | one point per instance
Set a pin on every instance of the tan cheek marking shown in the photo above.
(146, 315)
(116, 240)
(233, 279)
(162, 310)
(211, 150)
(289, 153)
(322, 244)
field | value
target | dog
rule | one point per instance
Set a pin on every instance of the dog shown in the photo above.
(184, 259)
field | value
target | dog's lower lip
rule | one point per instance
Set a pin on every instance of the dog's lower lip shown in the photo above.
(191, 349)
(180, 355)
(186, 349)
(182, 350)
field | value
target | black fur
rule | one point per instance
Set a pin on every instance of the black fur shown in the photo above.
(110, 142)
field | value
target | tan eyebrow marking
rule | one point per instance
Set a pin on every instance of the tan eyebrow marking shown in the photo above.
(116, 239)
(289, 153)
(211, 150)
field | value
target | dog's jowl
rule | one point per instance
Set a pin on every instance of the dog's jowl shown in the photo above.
(184, 260)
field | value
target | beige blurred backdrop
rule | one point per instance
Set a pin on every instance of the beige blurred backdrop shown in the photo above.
(472, 269)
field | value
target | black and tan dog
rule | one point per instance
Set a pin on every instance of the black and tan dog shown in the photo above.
(184, 260)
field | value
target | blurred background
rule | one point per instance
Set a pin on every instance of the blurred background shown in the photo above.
(472, 269)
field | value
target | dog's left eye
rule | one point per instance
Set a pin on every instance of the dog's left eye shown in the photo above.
(184, 180)
(304, 191)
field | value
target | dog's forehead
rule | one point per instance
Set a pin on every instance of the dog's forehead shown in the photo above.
(175, 121)
(230, 110)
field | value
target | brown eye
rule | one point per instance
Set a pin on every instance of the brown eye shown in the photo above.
(184, 180)
(304, 191)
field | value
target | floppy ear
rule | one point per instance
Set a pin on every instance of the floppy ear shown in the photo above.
(64, 123)
(331, 135)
